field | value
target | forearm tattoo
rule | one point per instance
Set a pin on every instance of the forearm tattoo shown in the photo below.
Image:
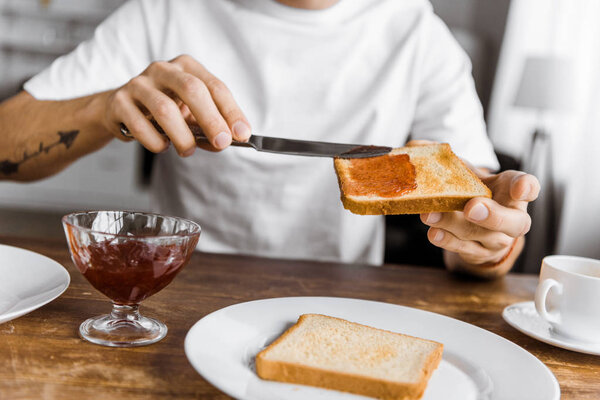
(8, 167)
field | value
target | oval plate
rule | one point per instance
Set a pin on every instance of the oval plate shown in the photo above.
(477, 364)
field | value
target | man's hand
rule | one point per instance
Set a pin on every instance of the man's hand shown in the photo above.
(171, 93)
(487, 236)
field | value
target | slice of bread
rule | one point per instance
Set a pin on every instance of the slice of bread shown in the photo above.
(444, 183)
(333, 353)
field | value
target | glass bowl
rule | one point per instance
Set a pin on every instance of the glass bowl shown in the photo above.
(128, 257)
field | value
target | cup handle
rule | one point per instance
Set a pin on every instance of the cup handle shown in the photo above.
(541, 294)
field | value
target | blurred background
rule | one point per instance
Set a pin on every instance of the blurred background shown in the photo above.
(535, 65)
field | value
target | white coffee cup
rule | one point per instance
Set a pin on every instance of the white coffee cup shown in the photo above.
(568, 296)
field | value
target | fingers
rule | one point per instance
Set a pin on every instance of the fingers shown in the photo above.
(513, 188)
(175, 93)
(166, 113)
(487, 228)
(489, 214)
(524, 187)
(142, 130)
(463, 229)
(194, 93)
(139, 127)
(471, 251)
(238, 125)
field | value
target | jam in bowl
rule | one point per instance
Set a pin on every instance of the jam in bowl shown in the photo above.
(128, 256)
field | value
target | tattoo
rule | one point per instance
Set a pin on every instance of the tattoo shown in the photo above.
(67, 138)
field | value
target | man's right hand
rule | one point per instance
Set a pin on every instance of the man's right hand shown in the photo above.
(171, 93)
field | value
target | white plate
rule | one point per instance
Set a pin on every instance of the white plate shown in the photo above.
(524, 318)
(477, 364)
(28, 281)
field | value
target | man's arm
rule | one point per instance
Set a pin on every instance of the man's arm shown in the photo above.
(40, 138)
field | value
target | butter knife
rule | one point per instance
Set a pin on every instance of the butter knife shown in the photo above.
(292, 146)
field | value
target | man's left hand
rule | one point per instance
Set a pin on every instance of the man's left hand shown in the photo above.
(478, 239)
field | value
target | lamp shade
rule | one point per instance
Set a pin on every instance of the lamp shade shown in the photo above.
(547, 84)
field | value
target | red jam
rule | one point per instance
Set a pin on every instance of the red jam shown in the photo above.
(383, 176)
(130, 271)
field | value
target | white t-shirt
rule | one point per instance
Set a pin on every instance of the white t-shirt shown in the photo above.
(368, 72)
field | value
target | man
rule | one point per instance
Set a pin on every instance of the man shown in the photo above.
(370, 72)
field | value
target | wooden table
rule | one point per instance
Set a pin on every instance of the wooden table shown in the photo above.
(42, 357)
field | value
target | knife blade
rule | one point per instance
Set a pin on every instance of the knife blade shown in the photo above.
(298, 147)
(293, 146)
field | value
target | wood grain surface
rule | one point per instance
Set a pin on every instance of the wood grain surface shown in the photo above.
(42, 356)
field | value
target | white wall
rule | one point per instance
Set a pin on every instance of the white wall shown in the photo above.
(484, 19)
(570, 29)
(31, 36)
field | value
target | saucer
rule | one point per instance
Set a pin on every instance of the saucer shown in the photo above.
(524, 318)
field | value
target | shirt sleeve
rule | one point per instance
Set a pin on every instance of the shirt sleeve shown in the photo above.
(448, 109)
(119, 50)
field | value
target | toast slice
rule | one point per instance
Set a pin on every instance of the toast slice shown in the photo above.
(443, 182)
(333, 353)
